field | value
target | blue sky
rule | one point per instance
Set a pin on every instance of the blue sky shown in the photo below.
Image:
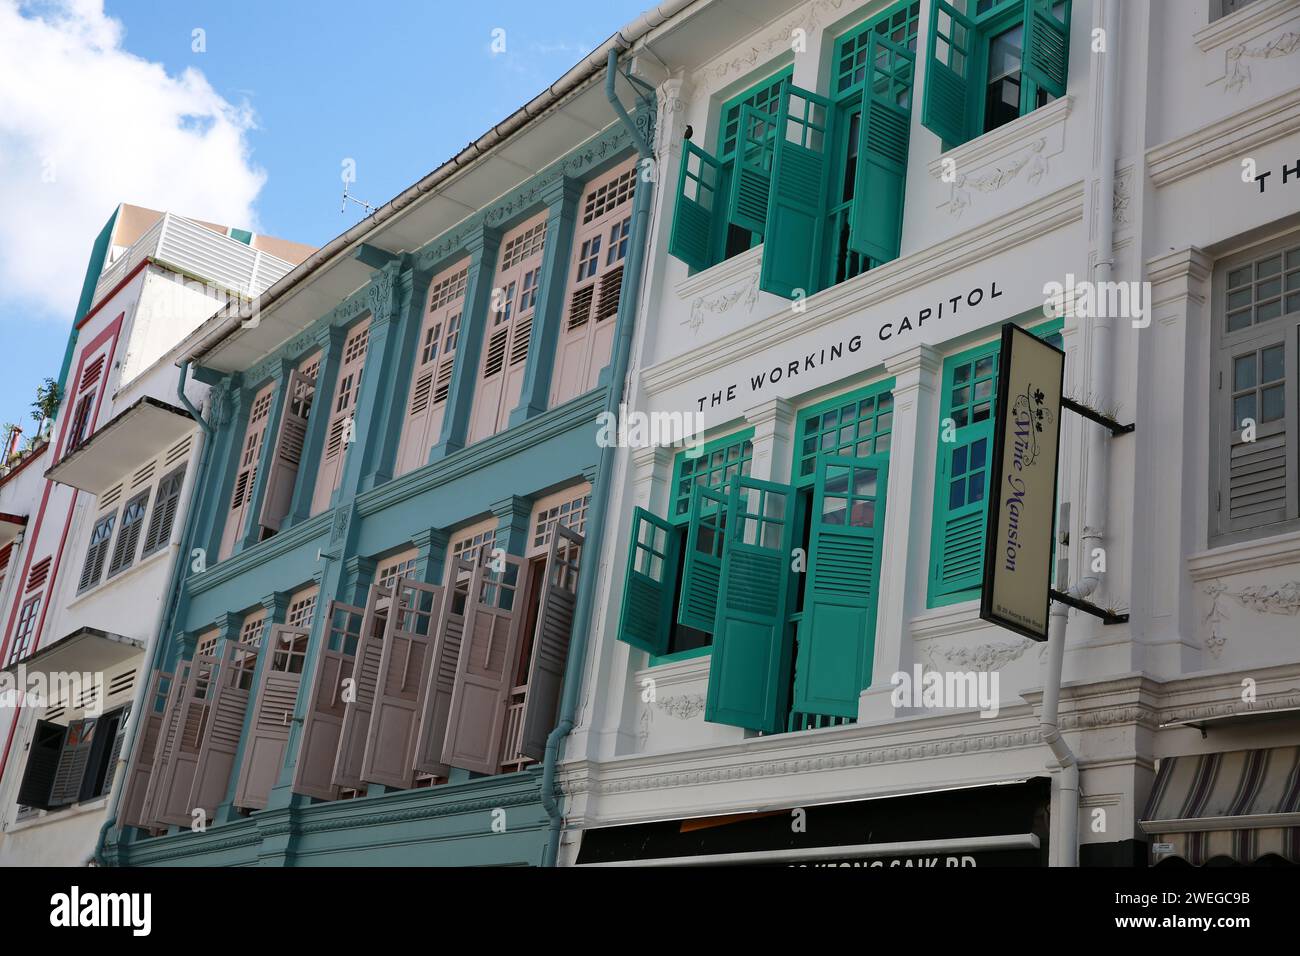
(396, 85)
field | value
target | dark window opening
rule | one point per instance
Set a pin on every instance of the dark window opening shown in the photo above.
(683, 637)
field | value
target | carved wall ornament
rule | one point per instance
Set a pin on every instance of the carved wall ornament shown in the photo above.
(683, 707)
(980, 657)
(1122, 199)
(746, 295)
(1236, 71)
(774, 43)
(1033, 163)
(1257, 598)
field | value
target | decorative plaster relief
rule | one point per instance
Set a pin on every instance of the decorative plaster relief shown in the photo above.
(716, 304)
(1258, 598)
(1032, 162)
(773, 43)
(1236, 71)
(980, 657)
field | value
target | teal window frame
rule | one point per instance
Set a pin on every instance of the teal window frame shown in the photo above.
(936, 595)
(761, 97)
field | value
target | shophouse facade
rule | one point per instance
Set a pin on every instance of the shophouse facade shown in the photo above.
(366, 657)
(103, 513)
(854, 198)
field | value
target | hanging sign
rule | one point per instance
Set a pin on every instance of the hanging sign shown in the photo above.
(1022, 482)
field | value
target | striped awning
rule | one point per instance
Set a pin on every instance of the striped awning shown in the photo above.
(1240, 806)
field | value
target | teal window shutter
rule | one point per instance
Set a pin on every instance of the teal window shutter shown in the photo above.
(948, 106)
(650, 584)
(702, 571)
(876, 222)
(749, 677)
(1046, 52)
(751, 178)
(838, 627)
(961, 486)
(699, 215)
(796, 211)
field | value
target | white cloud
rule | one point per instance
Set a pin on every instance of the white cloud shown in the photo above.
(106, 127)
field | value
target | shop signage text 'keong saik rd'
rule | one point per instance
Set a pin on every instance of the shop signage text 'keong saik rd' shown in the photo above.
(1022, 501)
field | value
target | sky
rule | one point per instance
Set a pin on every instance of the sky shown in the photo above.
(242, 112)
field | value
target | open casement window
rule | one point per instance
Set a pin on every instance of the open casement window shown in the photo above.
(167, 735)
(323, 724)
(358, 706)
(140, 766)
(163, 518)
(600, 246)
(991, 61)
(444, 660)
(836, 631)
(797, 201)
(567, 508)
(431, 376)
(71, 771)
(177, 773)
(529, 723)
(286, 455)
(42, 765)
(876, 217)
(1256, 434)
(128, 533)
(964, 458)
(97, 553)
(700, 209)
(118, 724)
(241, 497)
(227, 707)
(486, 668)
(702, 569)
(341, 428)
(403, 669)
(276, 698)
(508, 328)
(650, 584)
(749, 678)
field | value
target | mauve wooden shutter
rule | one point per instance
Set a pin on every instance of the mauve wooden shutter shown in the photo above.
(431, 375)
(42, 764)
(166, 742)
(486, 668)
(285, 459)
(246, 477)
(115, 752)
(277, 696)
(365, 675)
(443, 661)
(343, 403)
(403, 665)
(592, 297)
(141, 764)
(322, 728)
(172, 804)
(508, 328)
(72, 762)
(224, 725)
(550, 647)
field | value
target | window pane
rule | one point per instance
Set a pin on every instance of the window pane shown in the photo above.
(1243, 407)
(1243, 372)
(1238, 277)
(984, 367)
(1268, 267)
(864, 482)
(1239, 320)
(1239, 298)
(976, 487)
(837, 481)
(1268, 311)
(957, 493)
(959, 460)
(834, 510)
(1272, 363)
(1273, 404)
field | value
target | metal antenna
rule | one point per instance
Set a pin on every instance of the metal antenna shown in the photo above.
(343, 207)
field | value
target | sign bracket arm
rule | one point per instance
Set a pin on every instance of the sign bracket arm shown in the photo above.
(1105, 421)
(1087, 607)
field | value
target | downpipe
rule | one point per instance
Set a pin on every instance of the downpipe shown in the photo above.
(161, 623)
(595, 531)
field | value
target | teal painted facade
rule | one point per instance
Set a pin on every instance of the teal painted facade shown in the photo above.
(470, 819)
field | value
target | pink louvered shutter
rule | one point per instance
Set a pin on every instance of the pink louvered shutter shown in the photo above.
(508, 328)
(167, 735)
(600, 245)
(70, 772)
(435, 704)
(485, 671)
(276, 698)
(338, 433)
(225, 724)
(323, 725)
(403, 666)
(141, 765)
(241, 496)
(286, 456)
(172, 804)
(550, 647)
(365, 676)
(431, 377)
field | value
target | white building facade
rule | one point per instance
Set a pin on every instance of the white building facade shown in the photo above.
(104, 516)
(853, 198)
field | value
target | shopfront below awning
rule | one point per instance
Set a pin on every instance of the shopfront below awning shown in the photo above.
(1237, 807)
